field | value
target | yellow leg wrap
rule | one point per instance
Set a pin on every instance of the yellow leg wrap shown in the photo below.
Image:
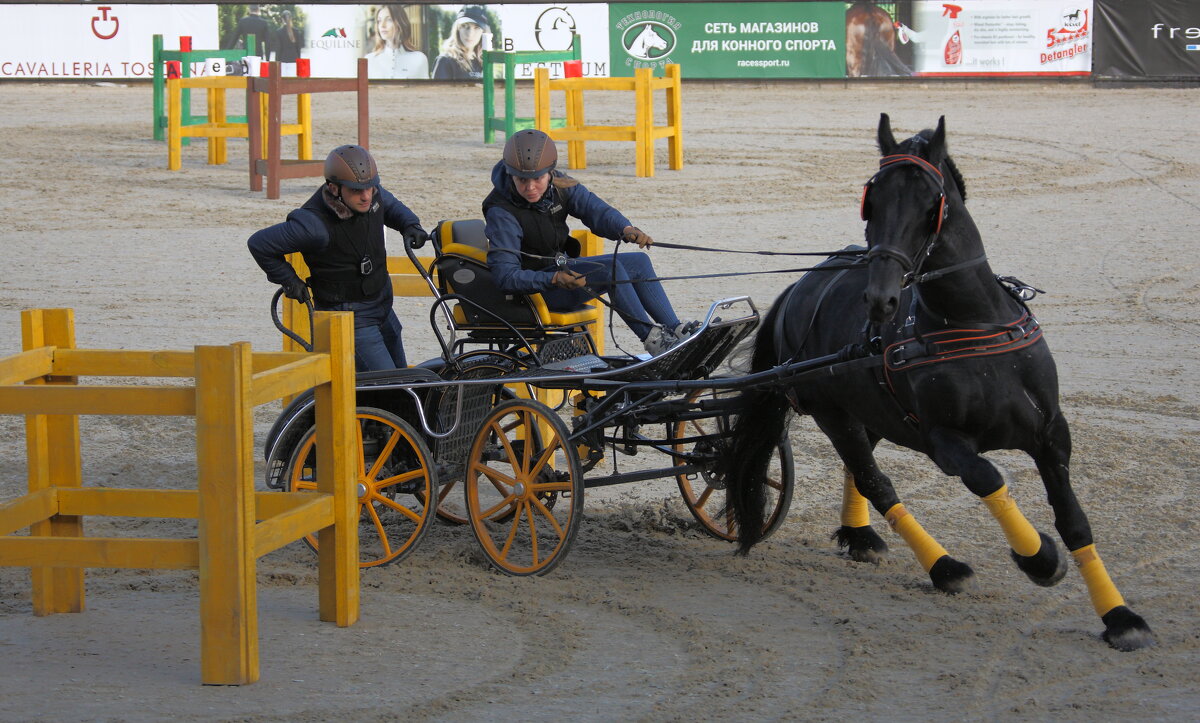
(855, 512)
(1100, 586)
(1022, 538)
(923, 546)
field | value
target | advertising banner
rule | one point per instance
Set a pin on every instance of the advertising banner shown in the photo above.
(1000, 37)
(409, 41)
(96, 42)
(730, 40)
(1149, 39)
(549, 27)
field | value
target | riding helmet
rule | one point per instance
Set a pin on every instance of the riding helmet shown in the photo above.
(351, 166)
(529, 154)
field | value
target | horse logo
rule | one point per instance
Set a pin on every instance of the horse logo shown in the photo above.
(649, 40)
(554, 29)
(1073, 21)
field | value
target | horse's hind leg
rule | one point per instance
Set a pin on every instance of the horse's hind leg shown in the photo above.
(856, 533)
(1123, 628)
(852, 444)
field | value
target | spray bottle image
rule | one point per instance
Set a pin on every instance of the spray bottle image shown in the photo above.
(952, 48)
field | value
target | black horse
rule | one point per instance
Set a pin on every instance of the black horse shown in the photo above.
(963, 369)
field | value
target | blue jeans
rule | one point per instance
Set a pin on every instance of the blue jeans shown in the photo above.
(636, 303)
(377, 330)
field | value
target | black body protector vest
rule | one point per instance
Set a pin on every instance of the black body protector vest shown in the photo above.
(353, 267)
(544, 233)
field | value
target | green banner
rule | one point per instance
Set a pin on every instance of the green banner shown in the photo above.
(730, 40)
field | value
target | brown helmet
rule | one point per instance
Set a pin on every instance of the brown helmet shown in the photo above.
(351, 166)
(529, 154)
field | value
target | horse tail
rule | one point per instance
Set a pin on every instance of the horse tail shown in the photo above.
(756, 432)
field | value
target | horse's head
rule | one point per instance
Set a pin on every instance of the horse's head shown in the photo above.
(904, 205)
(646, 41)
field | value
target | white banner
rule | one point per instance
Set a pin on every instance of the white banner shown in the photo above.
(549, 27)
(97, 42)
(1015, 37)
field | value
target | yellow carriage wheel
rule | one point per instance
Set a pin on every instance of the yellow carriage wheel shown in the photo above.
(704, 492)
(524, 488)
(395, 477)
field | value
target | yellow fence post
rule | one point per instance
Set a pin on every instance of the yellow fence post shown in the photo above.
(52, 445)
(643, 126)
(675, 116)
(576, 149)
(304, 117)
(225, 467)
(541, 99)
(174, 125)
(337, 442)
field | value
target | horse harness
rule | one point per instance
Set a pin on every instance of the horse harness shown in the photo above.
(913, 348)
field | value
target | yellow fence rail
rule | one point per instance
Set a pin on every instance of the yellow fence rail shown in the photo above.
(235, 525)
(643, 132)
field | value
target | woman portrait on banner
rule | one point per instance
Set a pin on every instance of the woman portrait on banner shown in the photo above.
(395, 55)
(462, 53)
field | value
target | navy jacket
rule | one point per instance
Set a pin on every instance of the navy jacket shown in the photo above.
(305, 232)
(505, 233)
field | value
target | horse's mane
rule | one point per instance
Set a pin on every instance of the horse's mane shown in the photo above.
(917, 146)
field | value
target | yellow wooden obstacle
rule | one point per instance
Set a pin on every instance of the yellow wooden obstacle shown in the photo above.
(643, 132)
(235, 525)
(218, 128)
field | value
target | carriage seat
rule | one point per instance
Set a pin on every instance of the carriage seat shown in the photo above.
(461, 250)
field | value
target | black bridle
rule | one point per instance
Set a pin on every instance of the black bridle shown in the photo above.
(911, 265)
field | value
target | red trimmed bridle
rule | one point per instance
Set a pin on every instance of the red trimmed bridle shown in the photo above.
(911, 265)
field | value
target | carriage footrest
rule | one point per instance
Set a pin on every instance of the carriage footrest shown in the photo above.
(578, 365)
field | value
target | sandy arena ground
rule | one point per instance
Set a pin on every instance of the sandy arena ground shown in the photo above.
(1090, 194)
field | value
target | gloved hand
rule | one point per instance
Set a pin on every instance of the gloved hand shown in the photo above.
(296, 289)
(635, 235)
(567, 279)
(415, 236)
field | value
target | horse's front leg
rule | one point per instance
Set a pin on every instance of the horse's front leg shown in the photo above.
(1123, 628)
(853, 445)
(1034, 552)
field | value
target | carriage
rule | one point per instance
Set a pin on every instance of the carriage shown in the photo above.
(508, 427)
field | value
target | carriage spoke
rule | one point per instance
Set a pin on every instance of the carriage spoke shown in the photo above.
(548, 514)
(546, 456)
(514, 526)
(383, 538)
(384, 454)
(533, 537)
(392, 504)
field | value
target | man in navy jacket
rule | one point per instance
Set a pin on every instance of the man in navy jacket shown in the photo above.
(339, 231)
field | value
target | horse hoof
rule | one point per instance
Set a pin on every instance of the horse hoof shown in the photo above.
(950, 575)
(864, 544)
(1046, 567)
(1125, 630)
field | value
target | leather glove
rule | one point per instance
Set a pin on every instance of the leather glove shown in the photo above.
(296, 289)
(567, 279)
(635, 235)
(415, 236)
